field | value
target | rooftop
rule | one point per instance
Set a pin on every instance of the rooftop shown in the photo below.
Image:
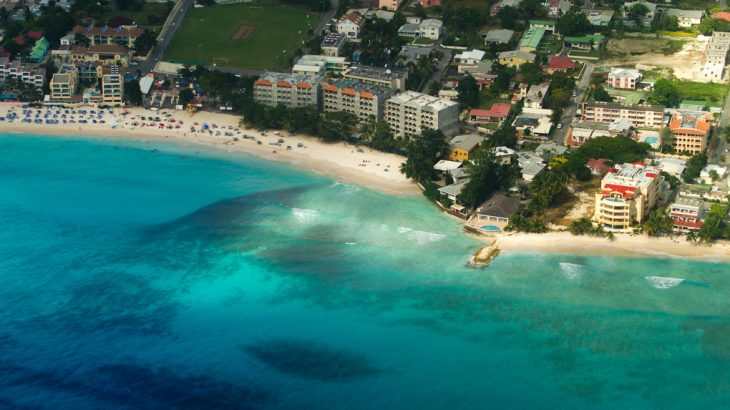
(384, 74)
(422, 101)
(499, 205)
(532, 37)
(499, 36)
(466, 142)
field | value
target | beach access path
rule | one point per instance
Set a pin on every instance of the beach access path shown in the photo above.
(340, 161)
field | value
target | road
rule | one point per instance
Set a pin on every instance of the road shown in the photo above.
(438, 72)
(174, 19)
(718, 145)
(570, 111)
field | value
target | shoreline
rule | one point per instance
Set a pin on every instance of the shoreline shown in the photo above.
(623, 245)
(374, 170)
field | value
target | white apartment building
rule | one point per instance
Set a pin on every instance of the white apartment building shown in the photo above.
(292, 90)
(350, 24)
(355, 97)
(24, 72)
(714, 58)
(628, 78)
(409, 113)
(628, 192)
(63, 84)
(431, 28)
(647, 116)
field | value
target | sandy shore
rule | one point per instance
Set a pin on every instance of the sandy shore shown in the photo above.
(623, 245)
(343, 162)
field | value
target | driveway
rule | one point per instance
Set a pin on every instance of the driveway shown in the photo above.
(174, 19)
(438, 73)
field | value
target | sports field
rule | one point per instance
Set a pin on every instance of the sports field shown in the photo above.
(240, 35)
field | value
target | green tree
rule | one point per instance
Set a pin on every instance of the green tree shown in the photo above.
(507, 16)
(664, 93)
(486, 176)
(600, 94)
(186, 95)
(145, 42)
(665, 135)
(637, 12)
(694, 167)
(715, 225)
(706, 27)
(573, 23)
(132, 92)
(468, 92)
(531, 73)
(657, 223)
(422, 153)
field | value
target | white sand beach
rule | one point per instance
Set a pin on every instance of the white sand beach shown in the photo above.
(343, 162)
(623, 245)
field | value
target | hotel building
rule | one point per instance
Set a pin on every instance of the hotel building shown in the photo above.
(63, 85)
(291, 90)
(686, 215)
(25, 73)
(409, 113)
(112, 86)
(647, 116)
(357, 98)
(123, 36)
(393, 79)
(690, 131)
(627, 193)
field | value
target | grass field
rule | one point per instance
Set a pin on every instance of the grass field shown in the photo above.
(712, 94)
(240, 36)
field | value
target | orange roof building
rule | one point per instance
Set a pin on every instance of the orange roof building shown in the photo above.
(360, 99)
(690, 131)
(291, 90)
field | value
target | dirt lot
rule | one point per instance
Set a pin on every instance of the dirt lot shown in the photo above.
(659, 54)
(241, 33)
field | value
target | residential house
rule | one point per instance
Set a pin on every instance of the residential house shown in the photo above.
(687, 18)
(462, 146)
(333, 43)
(411, 54)
(547, 25)
(558, 8)
(584, 43)
(515, 58)
(598, 166)
(363, 100)
(493, 215)
(391, 5)
(531, 39)
(531, 165)
(690, 131)
(535, 122)
(496, 113)
(392, 78)
(584, 131)
(560, 63)
(536, 95)
(721, 15)
(648, 17)
(498, 36)
(712, 174)
(452, 191)
(627, 78)
(628, 192)
(430, 3)
(598, 17)
(409, 30)
(649, 116)
(670, 165)
(39, 50)
(350, 24)
(504, 155)
(687, 215)
(291, 90)
(431, 28)
(409, 113)
(469, 57)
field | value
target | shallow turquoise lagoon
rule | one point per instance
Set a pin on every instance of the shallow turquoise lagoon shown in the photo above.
(138, 275)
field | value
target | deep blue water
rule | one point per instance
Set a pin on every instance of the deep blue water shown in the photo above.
(138, 276)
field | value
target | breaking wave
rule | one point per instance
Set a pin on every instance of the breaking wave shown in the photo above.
(305, 216)
(571, 271)
(662, 282)
(424, 237)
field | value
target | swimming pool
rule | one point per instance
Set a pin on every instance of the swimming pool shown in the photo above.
(651, 140)
(490, 228)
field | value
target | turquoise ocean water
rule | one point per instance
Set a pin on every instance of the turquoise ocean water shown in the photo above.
(135, 275)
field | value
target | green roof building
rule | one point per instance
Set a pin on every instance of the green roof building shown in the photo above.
(587, 42)
(39, 50)
(531, 39)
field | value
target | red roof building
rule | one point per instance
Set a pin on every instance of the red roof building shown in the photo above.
(723, 15)
(35, 35)
(560, 63)
(19, 39)
(497, 112)
(598, 165)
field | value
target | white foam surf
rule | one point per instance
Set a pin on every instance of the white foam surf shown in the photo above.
(304, 215)
(571, 271)
(424, 237)
(663, 282)
(403, 229)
